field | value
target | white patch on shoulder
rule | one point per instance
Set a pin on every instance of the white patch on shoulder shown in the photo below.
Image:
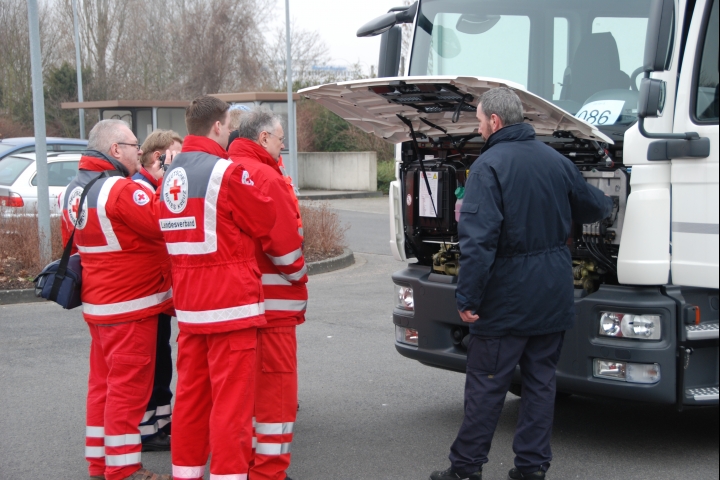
(246, 178)
(141, 197)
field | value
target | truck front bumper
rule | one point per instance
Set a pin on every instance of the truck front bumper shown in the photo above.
(441, 331)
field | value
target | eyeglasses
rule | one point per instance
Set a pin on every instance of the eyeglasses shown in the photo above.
(136, 145)
(282, 139)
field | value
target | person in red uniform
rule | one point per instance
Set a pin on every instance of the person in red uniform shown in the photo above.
(284, 279)
(157, 421)
(210, 212)
(126, 283)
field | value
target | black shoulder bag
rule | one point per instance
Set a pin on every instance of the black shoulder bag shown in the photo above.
(60, 281)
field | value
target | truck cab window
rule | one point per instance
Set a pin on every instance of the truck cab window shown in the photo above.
(454, 52)
(583, 56)
(707, 102)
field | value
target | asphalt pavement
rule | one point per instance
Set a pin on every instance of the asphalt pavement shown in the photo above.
(366, 412)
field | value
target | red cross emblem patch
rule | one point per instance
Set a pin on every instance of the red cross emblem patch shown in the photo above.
(141, 197)
(175, 190)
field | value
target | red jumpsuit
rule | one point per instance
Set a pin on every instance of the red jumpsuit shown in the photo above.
(210, 211)
(126, 284)
(284, 281)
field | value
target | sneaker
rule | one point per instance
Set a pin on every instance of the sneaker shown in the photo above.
(157, 443)
(516, 474)
(144, 474)
(451, 474)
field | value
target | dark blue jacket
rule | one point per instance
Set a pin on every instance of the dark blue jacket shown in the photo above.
(515, 267)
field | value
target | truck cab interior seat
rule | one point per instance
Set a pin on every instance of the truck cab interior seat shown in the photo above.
(595, 67)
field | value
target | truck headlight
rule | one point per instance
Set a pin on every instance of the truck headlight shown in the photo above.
(408, 336)
(626, 325)
(626, 372)
(404, 298)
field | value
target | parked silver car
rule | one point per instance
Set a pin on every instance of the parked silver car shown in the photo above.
(18, 181)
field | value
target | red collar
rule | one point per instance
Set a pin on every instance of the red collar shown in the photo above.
(95, 164)
(244, 149)
(148, 176)
(195, 143)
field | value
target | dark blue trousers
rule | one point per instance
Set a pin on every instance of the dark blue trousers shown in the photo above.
(490, 367)
(158, 415)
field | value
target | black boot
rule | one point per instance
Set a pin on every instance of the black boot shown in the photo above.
(516, 474)
(157, 443)
(451, 474)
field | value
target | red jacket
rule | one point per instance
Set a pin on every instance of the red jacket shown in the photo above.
(126, 267)
(284, 276)
(210, 211)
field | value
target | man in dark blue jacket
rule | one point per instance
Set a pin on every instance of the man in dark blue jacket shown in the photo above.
(515, 287)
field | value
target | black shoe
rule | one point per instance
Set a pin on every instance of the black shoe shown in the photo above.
(451, 474)
(516, 474)
(157, 443)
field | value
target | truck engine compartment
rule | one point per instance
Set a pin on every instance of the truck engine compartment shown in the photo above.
(430, 206)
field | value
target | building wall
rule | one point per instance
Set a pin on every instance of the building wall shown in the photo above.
(338, 171)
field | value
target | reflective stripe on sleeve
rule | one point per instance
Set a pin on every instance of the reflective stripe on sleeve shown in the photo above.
(294, 277)
(234, 476)
(94, 452)
(274, 428)
(272, 448)
(288, 259)
(122, 440)
(221, 315)
(181, 472)
(122, 460)
(274, 279)
(128, 306)
(286, 305)
(95, 432)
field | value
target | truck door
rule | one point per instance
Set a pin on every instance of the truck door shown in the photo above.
(695, 180)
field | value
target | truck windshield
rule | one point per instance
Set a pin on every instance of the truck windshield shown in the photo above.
(584, 56)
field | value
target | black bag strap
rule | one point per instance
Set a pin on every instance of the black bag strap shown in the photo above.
(62, 267)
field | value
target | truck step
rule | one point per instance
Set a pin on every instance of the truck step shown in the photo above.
(704, 331)
(703, 394)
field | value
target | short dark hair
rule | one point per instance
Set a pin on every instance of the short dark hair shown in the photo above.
(202, 114)
(504, 103)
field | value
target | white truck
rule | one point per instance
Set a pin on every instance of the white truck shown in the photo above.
(626, 89)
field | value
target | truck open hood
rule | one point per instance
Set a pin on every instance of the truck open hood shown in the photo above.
(373, 105)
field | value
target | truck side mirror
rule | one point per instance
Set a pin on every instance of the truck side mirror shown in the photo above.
(652, 98)
(659, 36)
(390, 47)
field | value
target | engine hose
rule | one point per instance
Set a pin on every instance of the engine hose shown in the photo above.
(591, 247)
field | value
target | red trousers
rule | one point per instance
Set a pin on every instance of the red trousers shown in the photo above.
(214, 405)
(122, 362)
(276, 402)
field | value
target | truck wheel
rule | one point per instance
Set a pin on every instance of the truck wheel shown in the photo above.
(516, 389)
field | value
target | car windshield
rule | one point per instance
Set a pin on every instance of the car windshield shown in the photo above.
(584, 56)
(4, 147)
(11, 168)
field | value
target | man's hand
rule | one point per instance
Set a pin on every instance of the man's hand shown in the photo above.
(468, 317)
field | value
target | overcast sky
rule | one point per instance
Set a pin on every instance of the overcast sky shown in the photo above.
(337, 21)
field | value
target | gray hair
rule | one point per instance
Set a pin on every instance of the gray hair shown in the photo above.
(256, 121)
(104, 134)
(504, 103)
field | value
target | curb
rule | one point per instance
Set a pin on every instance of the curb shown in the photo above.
(11, 297)
(331, 264)
(27, 295)
(339, 196)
